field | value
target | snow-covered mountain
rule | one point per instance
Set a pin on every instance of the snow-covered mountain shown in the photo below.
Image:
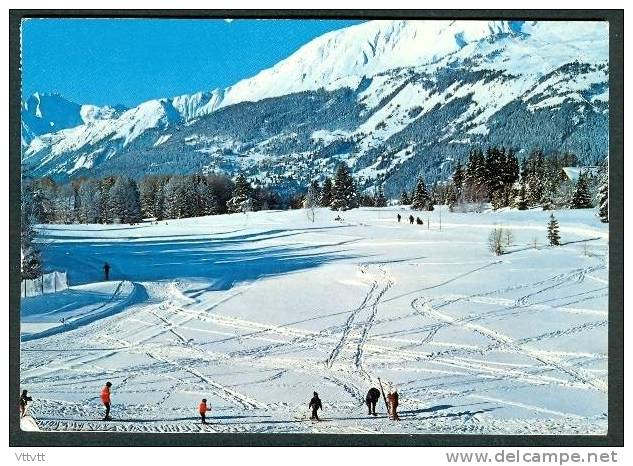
(50, 113)
(391, 98)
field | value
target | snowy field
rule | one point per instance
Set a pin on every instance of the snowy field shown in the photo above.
(256, 311)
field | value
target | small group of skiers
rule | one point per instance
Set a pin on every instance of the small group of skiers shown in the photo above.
(417, 220)
(373, 395)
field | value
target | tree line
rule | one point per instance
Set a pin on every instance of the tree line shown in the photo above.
(341, 193)
(496, 176)
(121, 199)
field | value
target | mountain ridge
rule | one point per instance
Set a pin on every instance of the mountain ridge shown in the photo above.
(476, 69)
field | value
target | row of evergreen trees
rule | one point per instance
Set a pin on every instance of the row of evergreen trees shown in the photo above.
(120, 199)
(538, 181)
(342, 193)
(496, 176)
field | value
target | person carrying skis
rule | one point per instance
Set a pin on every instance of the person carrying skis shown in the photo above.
(106, 271)
(105, 399)
(315, 404)
(399, 218)
(202, 409)
(23, 403)
(373, 395)
(392, 398)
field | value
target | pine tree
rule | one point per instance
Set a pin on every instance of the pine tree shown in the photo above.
(180, 198)
(326, 193)
(451, 197)
(159, 199)
(421, 198)
(147, 192)
(521, 200)
(536, 178)
(31, 266)
(553, 235)
(124, 201)
(89, 194)
(206, 202)
(474, 185)
(549, 194)
(509, 166)
(494, 171)
(241, 200)
(316, 191)
(404, 198)
(106, 185)
(581, 199)
(603, 198)
(379, 198)
(498, 199)
(344, 195)
(311, 201)
(458, 179)
(40, 209)
(65, 203)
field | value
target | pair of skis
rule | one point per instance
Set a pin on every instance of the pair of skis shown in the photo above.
(396, 418)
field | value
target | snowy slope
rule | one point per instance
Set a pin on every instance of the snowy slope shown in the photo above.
(342, 58)
(255, 312)
(404, 76)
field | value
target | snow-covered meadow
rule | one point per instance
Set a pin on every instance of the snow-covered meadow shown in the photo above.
(256, 311)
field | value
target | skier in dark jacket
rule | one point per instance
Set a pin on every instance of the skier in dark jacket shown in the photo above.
(419, 221)
(24, 400)
(315, 404)
(399, 218)
(411, 219)
(106, 271)
(373, 395)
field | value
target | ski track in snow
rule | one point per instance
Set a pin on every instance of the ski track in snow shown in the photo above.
(462, 352)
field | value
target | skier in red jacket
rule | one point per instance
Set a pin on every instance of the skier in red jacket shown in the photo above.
(105, 399)
(202, 409)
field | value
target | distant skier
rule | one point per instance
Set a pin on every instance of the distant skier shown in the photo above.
(411, 219)
(23, 403)
(373, 395)
(392, 398)
(105, 399)
(202, 409)
(419, 221)
(315, 404)
(399, 218)
(106, 271)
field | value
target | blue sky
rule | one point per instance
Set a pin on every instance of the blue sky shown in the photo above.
(128, 61)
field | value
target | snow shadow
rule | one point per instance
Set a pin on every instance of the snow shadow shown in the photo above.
(58, 304)
(222, 261)
(432, 409)
(109, 308)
